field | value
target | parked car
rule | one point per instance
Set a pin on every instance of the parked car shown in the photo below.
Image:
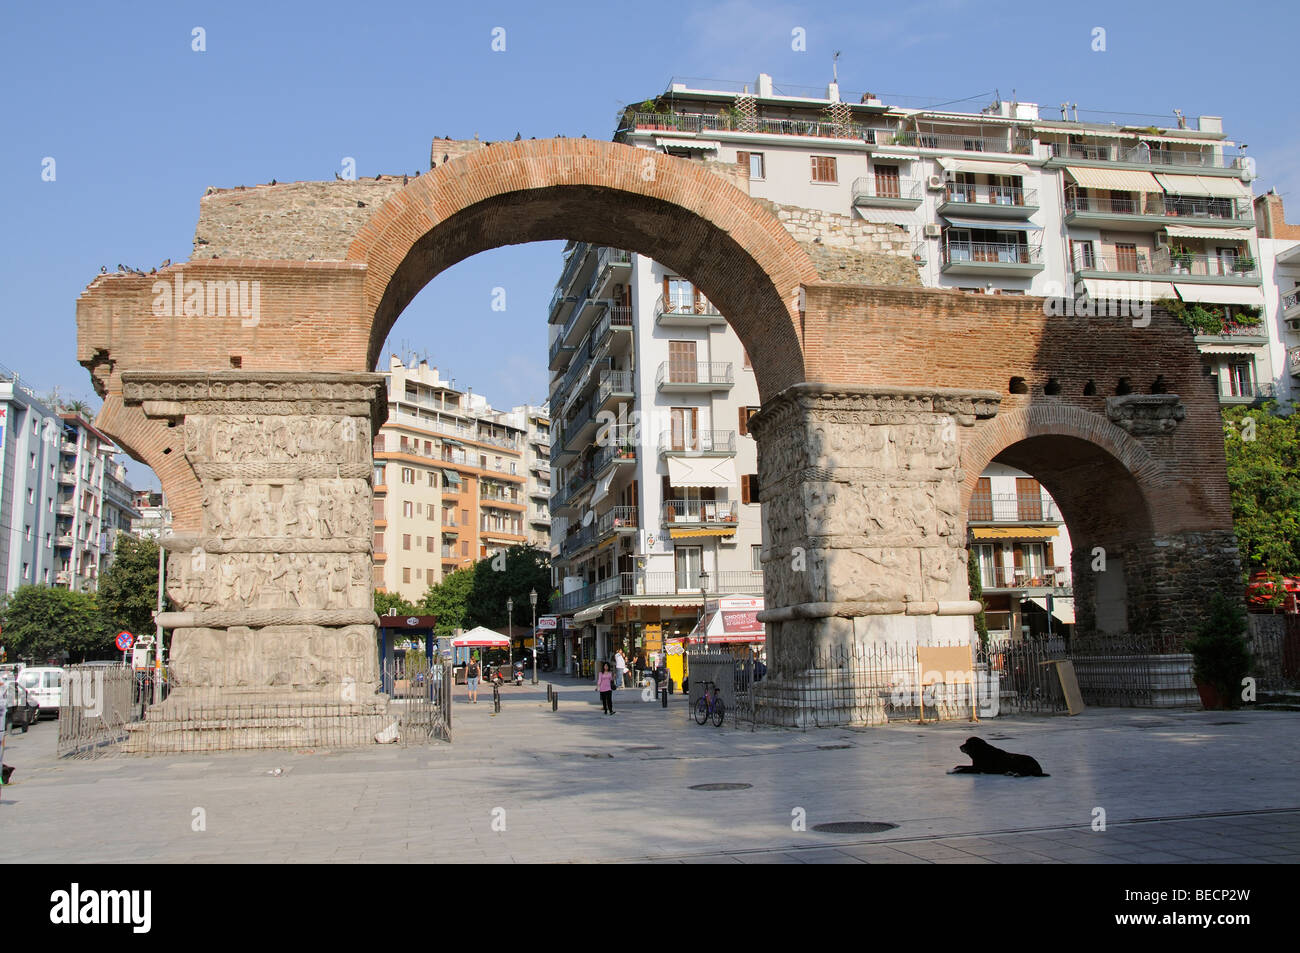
(45, 685)
(23, 711)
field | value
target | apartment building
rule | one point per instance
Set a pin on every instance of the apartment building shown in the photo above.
(1006, 200)
(153, 518)
(81, 539)
(535, 422)
(1022, 547)
(1279, 257)
(30, 432)
(656, 489)
(450, 481)
(119, 511)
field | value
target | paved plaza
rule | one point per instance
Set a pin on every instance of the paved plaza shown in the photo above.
(530, 784)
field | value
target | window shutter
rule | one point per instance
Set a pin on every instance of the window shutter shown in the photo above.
(1050, 561)
(742, 158)
(1017, 556)
(744, 489)
(744, 421)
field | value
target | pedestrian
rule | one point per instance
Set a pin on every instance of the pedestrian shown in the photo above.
(5, 770)
(620, 665)
(605, 685)
(473, 671)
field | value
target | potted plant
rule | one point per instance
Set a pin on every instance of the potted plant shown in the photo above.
(1243, 264)
(730, 117)
(1181, 257)
(1220, 654)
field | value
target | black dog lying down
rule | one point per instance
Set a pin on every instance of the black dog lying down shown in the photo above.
(991, 760)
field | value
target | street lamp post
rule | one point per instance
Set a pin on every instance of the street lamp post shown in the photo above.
(532, 599)
(704, 598)
(510, 627)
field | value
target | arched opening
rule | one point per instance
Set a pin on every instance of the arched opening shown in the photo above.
(1061, 517)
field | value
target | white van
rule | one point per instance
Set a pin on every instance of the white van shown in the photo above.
(45, 686)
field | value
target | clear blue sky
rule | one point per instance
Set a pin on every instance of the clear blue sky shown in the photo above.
(139, 124)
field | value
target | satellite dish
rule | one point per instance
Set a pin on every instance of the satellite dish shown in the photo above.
(588, 517)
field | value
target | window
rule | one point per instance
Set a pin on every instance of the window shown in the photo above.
(428, 544)
(1029, 500)
(29, 533)
(888, 185)
(379, 577)
(745, 414)
(408, 508)
(406, 540)
(823, 169)
(379, 541)
(1031, 560)
(682, 368)
(406, 574)
(988, 566)
(432, 478)
(1240, 379)
(1126, 257)
(679, 296)
(981, 501)
(428, 576)
(688, 560)
(379, 476)
(685, 428)
(33, 466)
(408, 475)
(464, 547)
(756, 558)
(756, 170)
(749, 488)
(1081, 255)
(31, 496)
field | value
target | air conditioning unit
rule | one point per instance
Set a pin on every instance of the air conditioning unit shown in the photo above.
(1162, 240)
(1293, 324)
(618, 294)
(932, 230)
(934, 182)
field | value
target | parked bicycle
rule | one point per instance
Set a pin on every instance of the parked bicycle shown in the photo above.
(710, 706)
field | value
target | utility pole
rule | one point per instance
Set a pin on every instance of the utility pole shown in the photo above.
(532, 598)
(158, 629)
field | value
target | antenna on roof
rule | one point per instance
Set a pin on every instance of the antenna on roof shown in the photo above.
(1182, 123)
(1065, 112)
(835, 69)
(1075, 108)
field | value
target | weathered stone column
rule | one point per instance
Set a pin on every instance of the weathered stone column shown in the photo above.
(864, 536)
(273, 591)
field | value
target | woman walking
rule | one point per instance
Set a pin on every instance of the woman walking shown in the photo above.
(605, 685)
(472, 673)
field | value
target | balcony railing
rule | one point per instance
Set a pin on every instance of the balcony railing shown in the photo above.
(619, 518)
(1013, 508)
(699, 511)
(674, 122)
(1291, 303)
(609, 257)
(616, 450)
(870, 188)
(1144, 155)
(1293, 361)
(572, 266)
(613, 382)
(1009, 196)
(687, 303)
(1164, 262)
(1008, 145)
(1169, 206)
(1003, 253)
(681, 584)
(614, 318)
(715, 373)
(1030, 577)
(700, 441)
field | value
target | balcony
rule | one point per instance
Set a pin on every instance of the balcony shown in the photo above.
(1005, 145)
(679, 586)
(68, 477)
(615, 320)
(65, 509)
(63, 577)
(686, 376)
(1047, 579)
(68, 446)
(700, 512)
(617, 453)
(712, 125)
(580, 428)
(64, 540)
(884, 192)
(991, 258)
(988, 201)
(687, 311)
(701, 443)
(1012, 508)
(614, 386)
(1121, 210)
(1169, 264)
(560, 354)
(609, 259)
(1142, 156)
(1293, 361)
(620, 519)
(1291, 308)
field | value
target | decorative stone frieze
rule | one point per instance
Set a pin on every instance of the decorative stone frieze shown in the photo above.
(1145, 415)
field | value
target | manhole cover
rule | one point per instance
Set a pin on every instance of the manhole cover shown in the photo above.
(854, 827)
(832, 747)
(720, 786)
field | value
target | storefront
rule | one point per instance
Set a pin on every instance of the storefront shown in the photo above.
(730, 623)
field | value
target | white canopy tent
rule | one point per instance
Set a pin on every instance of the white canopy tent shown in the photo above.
(481, 637)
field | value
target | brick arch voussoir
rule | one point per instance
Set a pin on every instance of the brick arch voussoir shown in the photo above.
(507, 168)
(148, 440)
(1058, 420)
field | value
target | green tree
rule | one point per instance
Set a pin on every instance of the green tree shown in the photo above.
(128, 589)
(1263, 451)
(512, 573)
(42, 622)
(977, 595)
(393, 600)
(449, 601)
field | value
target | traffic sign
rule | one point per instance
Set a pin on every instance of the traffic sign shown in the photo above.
(124, 640)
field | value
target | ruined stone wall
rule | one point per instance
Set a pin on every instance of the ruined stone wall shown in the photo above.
(845, 249)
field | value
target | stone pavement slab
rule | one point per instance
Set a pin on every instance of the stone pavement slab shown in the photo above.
(574, 785)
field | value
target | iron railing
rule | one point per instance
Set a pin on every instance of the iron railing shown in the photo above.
(699, 511)
(1138, 155)
(1013, 508)
(698, 441)
(674, 122)
(995, 253)
(1164, 261)
(1008, 145)
(685, 303)
(709, 373)
(1000, 195)
(868, 187)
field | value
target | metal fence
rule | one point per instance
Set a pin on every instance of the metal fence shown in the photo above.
(109, 711)
(1275, 652)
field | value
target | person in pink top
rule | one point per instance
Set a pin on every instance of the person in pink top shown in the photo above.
(605, 685)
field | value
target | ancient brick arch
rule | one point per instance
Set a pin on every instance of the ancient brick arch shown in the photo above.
(879, 406)
(668, 209)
